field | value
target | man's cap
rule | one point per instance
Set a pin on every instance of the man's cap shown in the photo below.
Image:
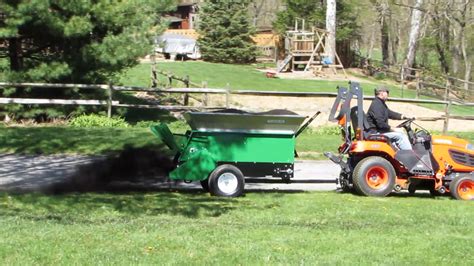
(381, 89)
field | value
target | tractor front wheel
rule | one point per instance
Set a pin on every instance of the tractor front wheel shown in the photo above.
(226, 181)
(374, 176)
(462, 187)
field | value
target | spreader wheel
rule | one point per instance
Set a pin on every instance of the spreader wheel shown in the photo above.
(226, 181)
(462, 187)
(374, 176)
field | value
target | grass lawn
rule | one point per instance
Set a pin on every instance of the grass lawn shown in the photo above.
(241, 77)
(68, 140)
(53, 140)
(194, 228)
(246, 77)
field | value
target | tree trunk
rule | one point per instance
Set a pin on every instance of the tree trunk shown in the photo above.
(395, 43)
(15, 54)
(385, 40)
(467, 75)
(383, 15)
(442, 38)
(371, 44)
(331, 29)
(442, 57)
(414, 33)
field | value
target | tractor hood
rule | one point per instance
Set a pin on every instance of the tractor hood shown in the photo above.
(456, 152)
(453, 142)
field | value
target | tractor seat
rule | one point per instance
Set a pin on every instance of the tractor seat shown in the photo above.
(365, 128)
(377, 137)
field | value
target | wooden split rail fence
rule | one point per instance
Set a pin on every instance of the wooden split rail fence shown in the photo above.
(443, 87)
(110, 103)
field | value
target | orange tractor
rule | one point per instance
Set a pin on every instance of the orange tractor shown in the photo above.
(373, 166)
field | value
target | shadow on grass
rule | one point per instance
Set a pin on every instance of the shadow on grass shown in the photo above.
(57, 140)
(90, 207)
(404, 194)
(424, 194)
(87, 193)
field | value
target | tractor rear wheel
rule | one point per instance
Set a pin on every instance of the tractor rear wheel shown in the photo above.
(226, 181)
(462, 187)
(374, 176)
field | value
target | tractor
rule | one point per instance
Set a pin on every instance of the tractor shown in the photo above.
(372, 165)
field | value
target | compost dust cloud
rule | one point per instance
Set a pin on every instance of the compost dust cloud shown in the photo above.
(130, 170)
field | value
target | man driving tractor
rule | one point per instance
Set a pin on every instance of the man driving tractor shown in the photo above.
(378, 115)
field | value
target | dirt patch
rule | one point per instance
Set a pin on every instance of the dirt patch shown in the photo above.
(309, 106)
(324, 74)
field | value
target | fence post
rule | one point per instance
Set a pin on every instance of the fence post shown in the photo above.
(227, 96)
(170, 80)
(186, 96)
(402, 78)
(447, 89)
(109, 100)
(418, 84)
(205, 96)
(446, 117)
(154, 76)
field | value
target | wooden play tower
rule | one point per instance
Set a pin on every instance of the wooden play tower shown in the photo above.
(306, 50)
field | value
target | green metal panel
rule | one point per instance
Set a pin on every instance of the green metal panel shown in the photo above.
(164, 133)
(242, 147)
(198, 167)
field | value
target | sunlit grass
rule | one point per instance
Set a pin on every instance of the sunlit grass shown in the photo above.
(247, 77)
(193, 228)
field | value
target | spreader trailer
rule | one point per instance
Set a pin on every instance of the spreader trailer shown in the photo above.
(225, 147)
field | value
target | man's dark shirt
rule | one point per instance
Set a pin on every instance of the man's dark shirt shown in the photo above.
(379, 114)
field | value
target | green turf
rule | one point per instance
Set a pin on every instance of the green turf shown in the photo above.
(242, 77)
(247, 77)
(51, 140)
(261, 228)
(55, 140)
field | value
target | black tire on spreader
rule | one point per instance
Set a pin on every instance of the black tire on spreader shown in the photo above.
(226, 181)
(361, 172)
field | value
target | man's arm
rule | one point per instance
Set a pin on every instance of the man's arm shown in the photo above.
(394, 115)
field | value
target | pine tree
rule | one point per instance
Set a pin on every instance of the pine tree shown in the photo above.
(88, 41)
(76, 41)
(314, 13)
(226, 31)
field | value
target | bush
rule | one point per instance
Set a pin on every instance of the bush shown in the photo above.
(380, 76)
(327, 130)
(94, 120)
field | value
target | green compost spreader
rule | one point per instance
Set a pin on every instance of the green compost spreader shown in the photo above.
(222, 148)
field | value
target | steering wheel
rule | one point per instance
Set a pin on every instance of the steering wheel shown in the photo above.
(405, 123)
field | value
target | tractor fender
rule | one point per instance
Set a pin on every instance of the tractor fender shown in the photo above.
(362, 149)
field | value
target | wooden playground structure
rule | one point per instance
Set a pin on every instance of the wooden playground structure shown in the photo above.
(306, 51)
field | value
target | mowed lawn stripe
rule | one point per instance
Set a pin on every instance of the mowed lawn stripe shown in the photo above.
(194, 228)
